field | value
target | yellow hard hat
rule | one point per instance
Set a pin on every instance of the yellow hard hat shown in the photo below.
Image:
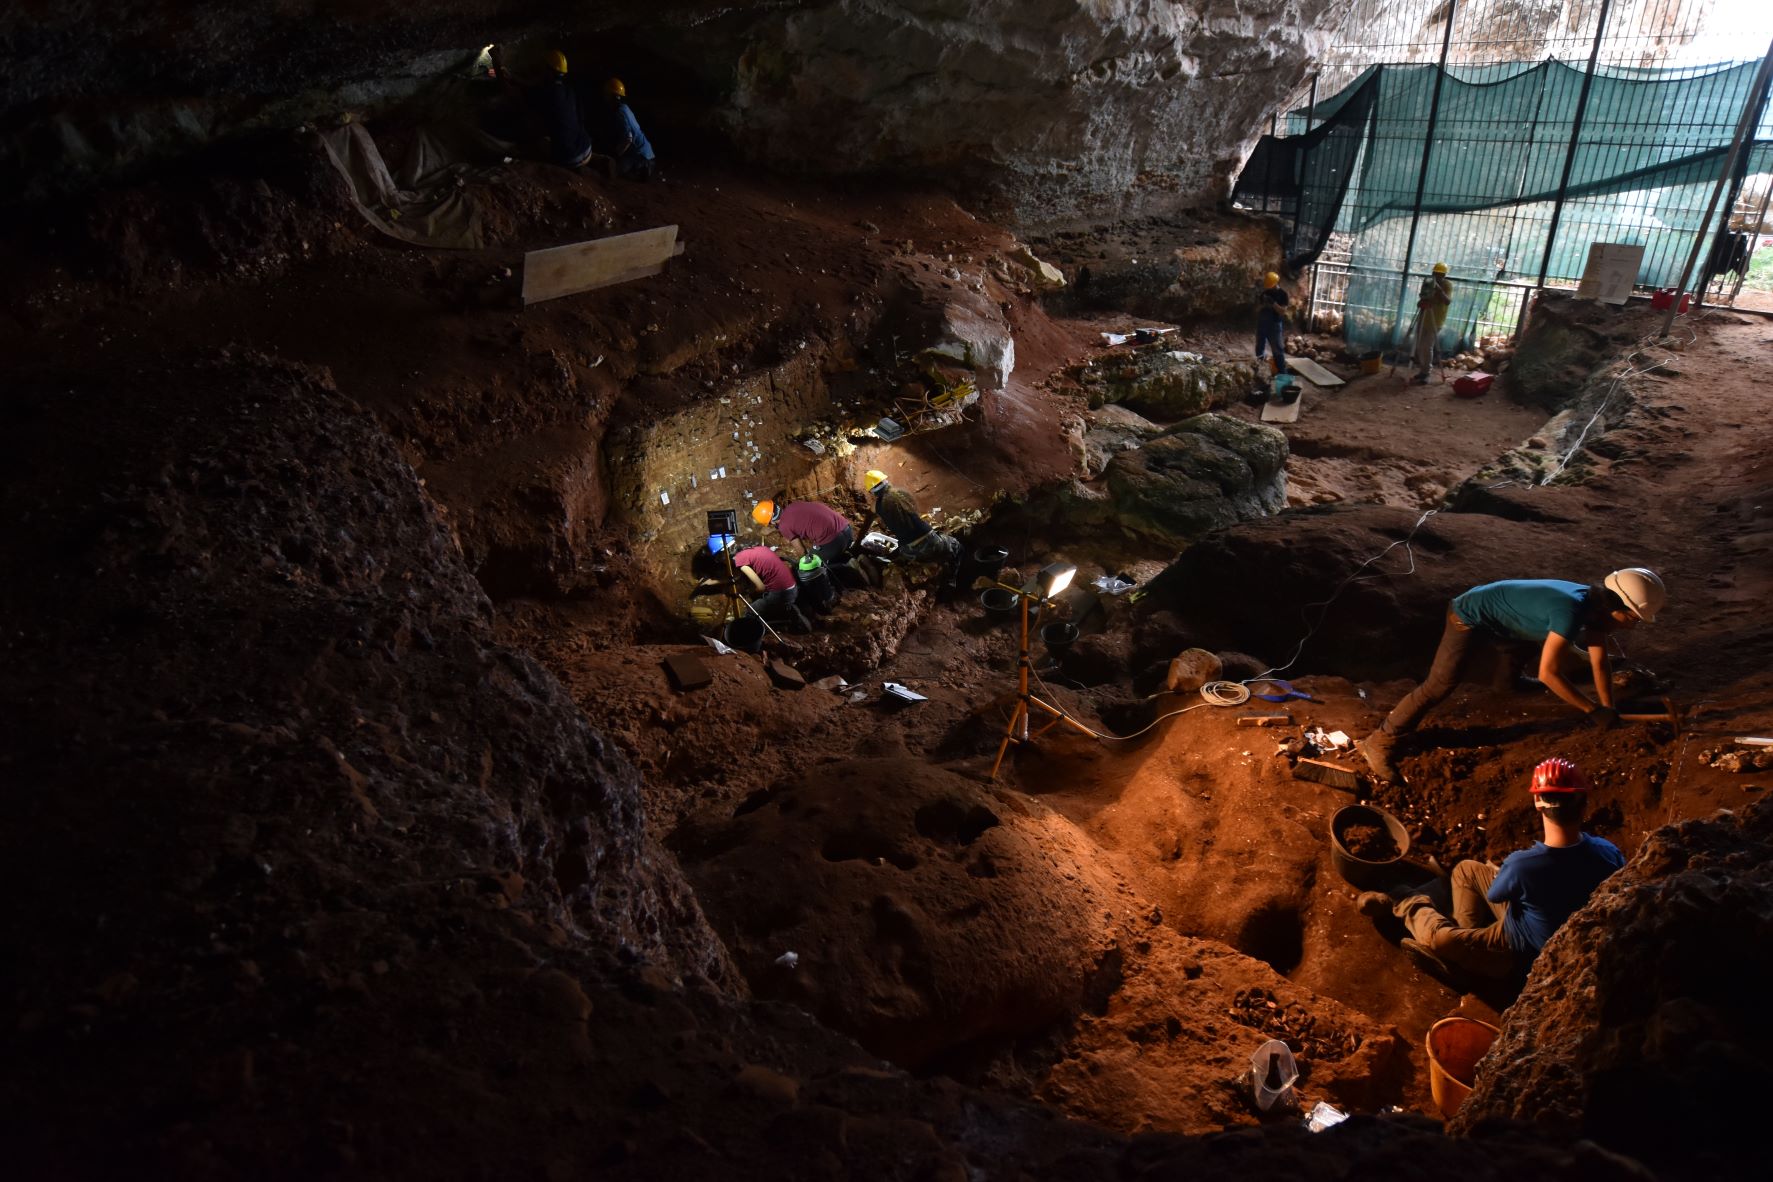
(873, 479)
(1440, 268)
(556, 61)
(1271, 280)
(764, 513)
(615, 89)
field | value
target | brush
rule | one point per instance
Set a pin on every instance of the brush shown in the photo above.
(1327, 773)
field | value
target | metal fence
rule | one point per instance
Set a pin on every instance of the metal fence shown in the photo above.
(1486, 45)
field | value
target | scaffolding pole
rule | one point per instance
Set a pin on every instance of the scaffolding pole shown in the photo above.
(1557, 209)
(1751, 116)
(1434, 113)
(1754, 242)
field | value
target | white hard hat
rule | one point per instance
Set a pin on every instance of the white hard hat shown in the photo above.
(1642, 590)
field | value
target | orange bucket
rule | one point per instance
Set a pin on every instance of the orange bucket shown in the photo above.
(1454, 1047)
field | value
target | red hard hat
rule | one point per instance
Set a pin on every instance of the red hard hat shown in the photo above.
(1558, 775)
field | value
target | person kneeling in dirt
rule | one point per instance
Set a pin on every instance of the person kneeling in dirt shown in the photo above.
(769, 584)
(765, 581)
(629, 151)
(1502, 916)
(555, 104)
(918, 540)
(819, 529)
(1560, 617)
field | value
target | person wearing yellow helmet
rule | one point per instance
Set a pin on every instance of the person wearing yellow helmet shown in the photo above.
(819, 529)
(918, 540)
(1501, 916)
(628, 148)
(1271, 322)
(555, 105)
(1432, 303)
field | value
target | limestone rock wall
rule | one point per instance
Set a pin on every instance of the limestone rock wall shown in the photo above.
(1061, 108)
(1047, 110)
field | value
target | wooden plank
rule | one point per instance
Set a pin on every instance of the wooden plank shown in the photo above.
(582, 266)
(1314, 373)
(1282, 412)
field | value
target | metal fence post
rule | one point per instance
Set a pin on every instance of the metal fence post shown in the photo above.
(1557, 210)
(1745, 127)
(1434, 112)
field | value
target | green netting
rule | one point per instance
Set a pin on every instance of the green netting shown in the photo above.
(1649, 149)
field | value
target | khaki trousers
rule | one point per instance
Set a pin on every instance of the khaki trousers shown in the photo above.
(1473, 940)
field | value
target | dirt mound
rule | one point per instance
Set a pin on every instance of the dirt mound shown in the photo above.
(1566, 341)
(1642, 1026)
(924, 912)
(945, 924)
(1262, 585)
(259, 738)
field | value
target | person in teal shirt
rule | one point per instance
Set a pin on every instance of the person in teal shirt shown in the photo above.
(1558, 616)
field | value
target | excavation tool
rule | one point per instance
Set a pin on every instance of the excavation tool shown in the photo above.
(1671, 715)
(1284, 692)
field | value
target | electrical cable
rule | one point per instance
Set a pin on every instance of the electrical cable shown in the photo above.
(1213, 693)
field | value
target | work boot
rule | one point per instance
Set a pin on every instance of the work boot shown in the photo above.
(1373, 904)
(1428, 962)
(1376, 748)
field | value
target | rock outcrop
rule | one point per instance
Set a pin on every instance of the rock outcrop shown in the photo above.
(1053, 110)
(1208, 471)
(1166, 383)
(1643, 1025)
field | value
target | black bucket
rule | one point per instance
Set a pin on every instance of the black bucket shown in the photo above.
(1368, 873)
(983, 563)
(1059, 636)
(999, 604)
(745, 634)
(817, 591)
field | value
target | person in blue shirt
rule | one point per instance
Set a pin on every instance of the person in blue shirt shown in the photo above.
(620, 138)
(1561, 618)
(1502, 916)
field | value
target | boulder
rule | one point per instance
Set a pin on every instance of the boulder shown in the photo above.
(1193, 669)
(1208, 472)
(1041, 273)
(1642, 1026)
(1166, 383)
(1110, 430)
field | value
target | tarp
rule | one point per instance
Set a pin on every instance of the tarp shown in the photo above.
(428, 202)
(1649, 148)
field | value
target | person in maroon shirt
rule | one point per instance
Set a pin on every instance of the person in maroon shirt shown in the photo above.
(767, 582)
(820, 529)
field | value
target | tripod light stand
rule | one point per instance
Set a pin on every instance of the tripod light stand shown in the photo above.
(1048, 583)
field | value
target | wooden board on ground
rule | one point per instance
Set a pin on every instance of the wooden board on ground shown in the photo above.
(1314, 373)
(583, 266)
(1282, 412)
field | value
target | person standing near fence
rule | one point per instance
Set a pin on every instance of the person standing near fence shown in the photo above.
(1271, 322)
(1432, 303)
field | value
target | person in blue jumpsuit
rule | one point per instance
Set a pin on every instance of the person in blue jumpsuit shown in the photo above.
(620, 138)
